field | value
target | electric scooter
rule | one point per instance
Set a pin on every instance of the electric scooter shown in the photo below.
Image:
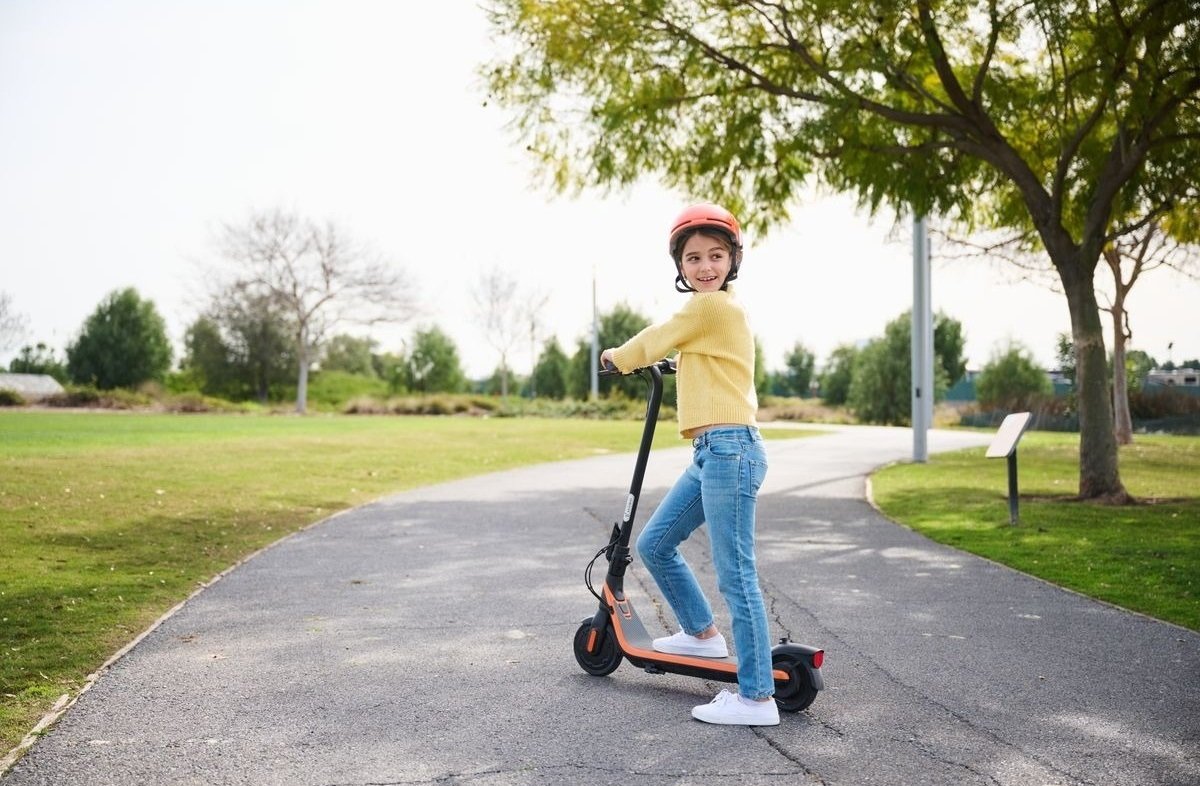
(616, 632)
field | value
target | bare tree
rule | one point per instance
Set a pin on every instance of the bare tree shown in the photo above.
(500, 316)
(314, 273)
(534, 304)
(1128, 257)
(12, 323)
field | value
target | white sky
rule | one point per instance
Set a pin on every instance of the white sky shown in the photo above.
(130, 130)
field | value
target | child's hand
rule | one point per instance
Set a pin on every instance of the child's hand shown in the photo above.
(606, 360)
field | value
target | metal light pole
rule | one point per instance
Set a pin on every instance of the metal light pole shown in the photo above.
(595, 372)
(922, 343)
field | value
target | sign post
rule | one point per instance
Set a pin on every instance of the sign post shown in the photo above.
(1004, 445)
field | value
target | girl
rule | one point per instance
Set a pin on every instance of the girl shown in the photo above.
(717, 406)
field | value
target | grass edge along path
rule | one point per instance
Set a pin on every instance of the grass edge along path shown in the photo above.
(111, 519)
(1143, 557)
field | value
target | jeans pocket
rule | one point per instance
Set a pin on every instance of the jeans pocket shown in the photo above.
(758, 473)
(725, 448)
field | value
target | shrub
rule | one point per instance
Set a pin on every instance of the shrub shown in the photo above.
(11, 398)
(1012, 380)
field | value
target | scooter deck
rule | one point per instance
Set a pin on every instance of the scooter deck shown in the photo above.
(638, 647)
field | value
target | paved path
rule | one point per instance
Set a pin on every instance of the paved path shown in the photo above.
(427, 639)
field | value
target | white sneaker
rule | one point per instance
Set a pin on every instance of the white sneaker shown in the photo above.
(683, 644)
(730, 709)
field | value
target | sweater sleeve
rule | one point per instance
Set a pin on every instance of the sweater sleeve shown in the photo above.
(654, 342)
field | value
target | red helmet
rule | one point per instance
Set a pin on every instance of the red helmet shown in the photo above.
(704, 215)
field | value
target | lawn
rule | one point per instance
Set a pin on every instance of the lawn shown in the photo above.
(1144, 557)
(109, 519)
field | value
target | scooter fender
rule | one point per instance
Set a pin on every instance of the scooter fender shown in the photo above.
(804, 654)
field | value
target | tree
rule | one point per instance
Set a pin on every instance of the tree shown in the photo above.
(616, 327)
(432, 364)
(1011, 380)
(1053, 116)
(351, 354)
(879, 389)
(241, 347)
(798, 371)
(501, 381)
(316, 274)
(1138, 364)
(1128, 258)
(838, 372)
(549, 377)
(38, 359)
(880, 384)
(207, 358)
(122, 344)
(12, 324)
(948, 345)
(392, 368)
(501, 316)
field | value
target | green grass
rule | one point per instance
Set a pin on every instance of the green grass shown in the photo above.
(1144, 557)
(109, 519)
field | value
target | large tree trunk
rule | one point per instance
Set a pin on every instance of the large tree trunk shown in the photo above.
(1099, 477)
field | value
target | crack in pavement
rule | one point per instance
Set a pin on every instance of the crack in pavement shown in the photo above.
(467, 776)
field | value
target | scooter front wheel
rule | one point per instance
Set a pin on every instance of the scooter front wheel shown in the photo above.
(798, 692)
(604, 660)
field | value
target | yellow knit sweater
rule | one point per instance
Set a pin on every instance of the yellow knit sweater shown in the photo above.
(715, 363)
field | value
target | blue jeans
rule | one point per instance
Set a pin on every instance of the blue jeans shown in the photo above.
(721, 488)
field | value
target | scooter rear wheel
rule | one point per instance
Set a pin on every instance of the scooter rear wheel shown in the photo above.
(798, 692)
(604, 660)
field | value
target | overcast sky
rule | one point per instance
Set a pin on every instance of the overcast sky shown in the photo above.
(132, 130)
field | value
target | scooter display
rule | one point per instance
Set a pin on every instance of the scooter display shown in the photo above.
(615, 632)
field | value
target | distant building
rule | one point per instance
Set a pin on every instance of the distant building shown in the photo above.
(32, 387)
(1180, 377)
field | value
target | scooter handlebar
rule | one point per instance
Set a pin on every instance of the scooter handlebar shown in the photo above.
(665, 366)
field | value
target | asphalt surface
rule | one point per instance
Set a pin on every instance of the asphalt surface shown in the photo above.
(426, 639)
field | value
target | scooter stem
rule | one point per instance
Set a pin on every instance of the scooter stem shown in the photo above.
(620, 556)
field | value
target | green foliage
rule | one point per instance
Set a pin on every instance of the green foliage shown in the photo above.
(761, 379)
(1137, 365)
(499, 382)
(799, 364)
(549, 377)
(1064, 355)
(616, 327)
(350, 354)
(1012, 380)
(38, 359)
(881, 382)
(432, 365)
(392, 369)
(838, 373)
(948, 345)
(241, 349)
(122, 344)
(331, 389)
(11, 398)
(747, 101)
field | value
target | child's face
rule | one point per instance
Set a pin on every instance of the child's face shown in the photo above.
(705, 262)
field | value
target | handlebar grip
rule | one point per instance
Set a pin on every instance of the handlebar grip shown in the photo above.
(665, 366)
